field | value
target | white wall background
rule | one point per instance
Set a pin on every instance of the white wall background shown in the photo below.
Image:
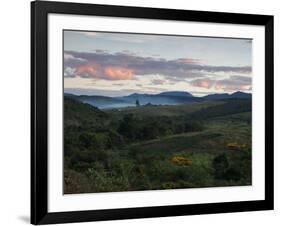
(15, 113)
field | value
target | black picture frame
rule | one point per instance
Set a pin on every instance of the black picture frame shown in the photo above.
(39, 112)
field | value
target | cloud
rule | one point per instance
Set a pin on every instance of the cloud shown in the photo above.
(87, 70)
(84, 33)
(69, 72)
(100, 51)
(158, 82)
(233, 83)
(242, 79)
(70, 57)
(108, 73)
(118, 73)
(89, 33)
(131, 38)
(118, 37)
(188, 61)
(126, 66)
(203, 83)
(128, 52)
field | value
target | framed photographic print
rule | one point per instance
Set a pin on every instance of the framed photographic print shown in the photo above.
(145, 112)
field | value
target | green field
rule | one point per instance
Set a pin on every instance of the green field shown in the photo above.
(205, 144)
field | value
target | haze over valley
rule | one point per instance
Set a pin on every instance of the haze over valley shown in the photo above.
(163, 98)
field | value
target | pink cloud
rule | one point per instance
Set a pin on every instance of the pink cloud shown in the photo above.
(233, 83)
(88, 70)
(118, 73)
(203, 83)
(234, 87)
(104, 72)
(219, 86)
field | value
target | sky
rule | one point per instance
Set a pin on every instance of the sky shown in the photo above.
(118, 64)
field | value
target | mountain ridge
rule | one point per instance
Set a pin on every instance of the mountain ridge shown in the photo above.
(164, 98)
(237, 95)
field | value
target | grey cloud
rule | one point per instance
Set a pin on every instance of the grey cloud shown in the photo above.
(158, 82)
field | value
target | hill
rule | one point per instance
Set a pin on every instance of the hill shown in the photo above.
(221, 96)
(164, 98)
(78, 114)
(176, 94)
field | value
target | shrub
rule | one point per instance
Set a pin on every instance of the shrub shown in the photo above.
(168, 185)
(181, 161)
(233, 146)
(75, 182)
(220, 164)
(232, 174)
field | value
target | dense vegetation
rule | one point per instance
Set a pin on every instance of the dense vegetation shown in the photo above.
(156, 147)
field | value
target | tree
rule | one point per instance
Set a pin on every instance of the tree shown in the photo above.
(137, 103)
(128, 127)
(220, 164)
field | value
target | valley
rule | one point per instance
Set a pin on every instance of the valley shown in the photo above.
(206, 143)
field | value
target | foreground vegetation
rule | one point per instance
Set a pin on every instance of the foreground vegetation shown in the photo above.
(156, 147)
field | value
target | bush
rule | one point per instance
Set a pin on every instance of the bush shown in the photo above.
(220, 164)
(232, 174)
(181, 161)
(75, 182)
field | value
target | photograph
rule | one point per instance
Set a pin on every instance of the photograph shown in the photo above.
(140, 112)
(155, 111)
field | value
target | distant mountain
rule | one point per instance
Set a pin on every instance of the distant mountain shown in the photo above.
(241, 95)
(170, 98)
(221, 96)
(164, 98)
(69, 95)
(217, 96)
(175, 94)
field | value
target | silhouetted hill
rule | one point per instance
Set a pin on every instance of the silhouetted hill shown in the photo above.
(77, 112)
(164, 98)
(221, 96)
(176, 94)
